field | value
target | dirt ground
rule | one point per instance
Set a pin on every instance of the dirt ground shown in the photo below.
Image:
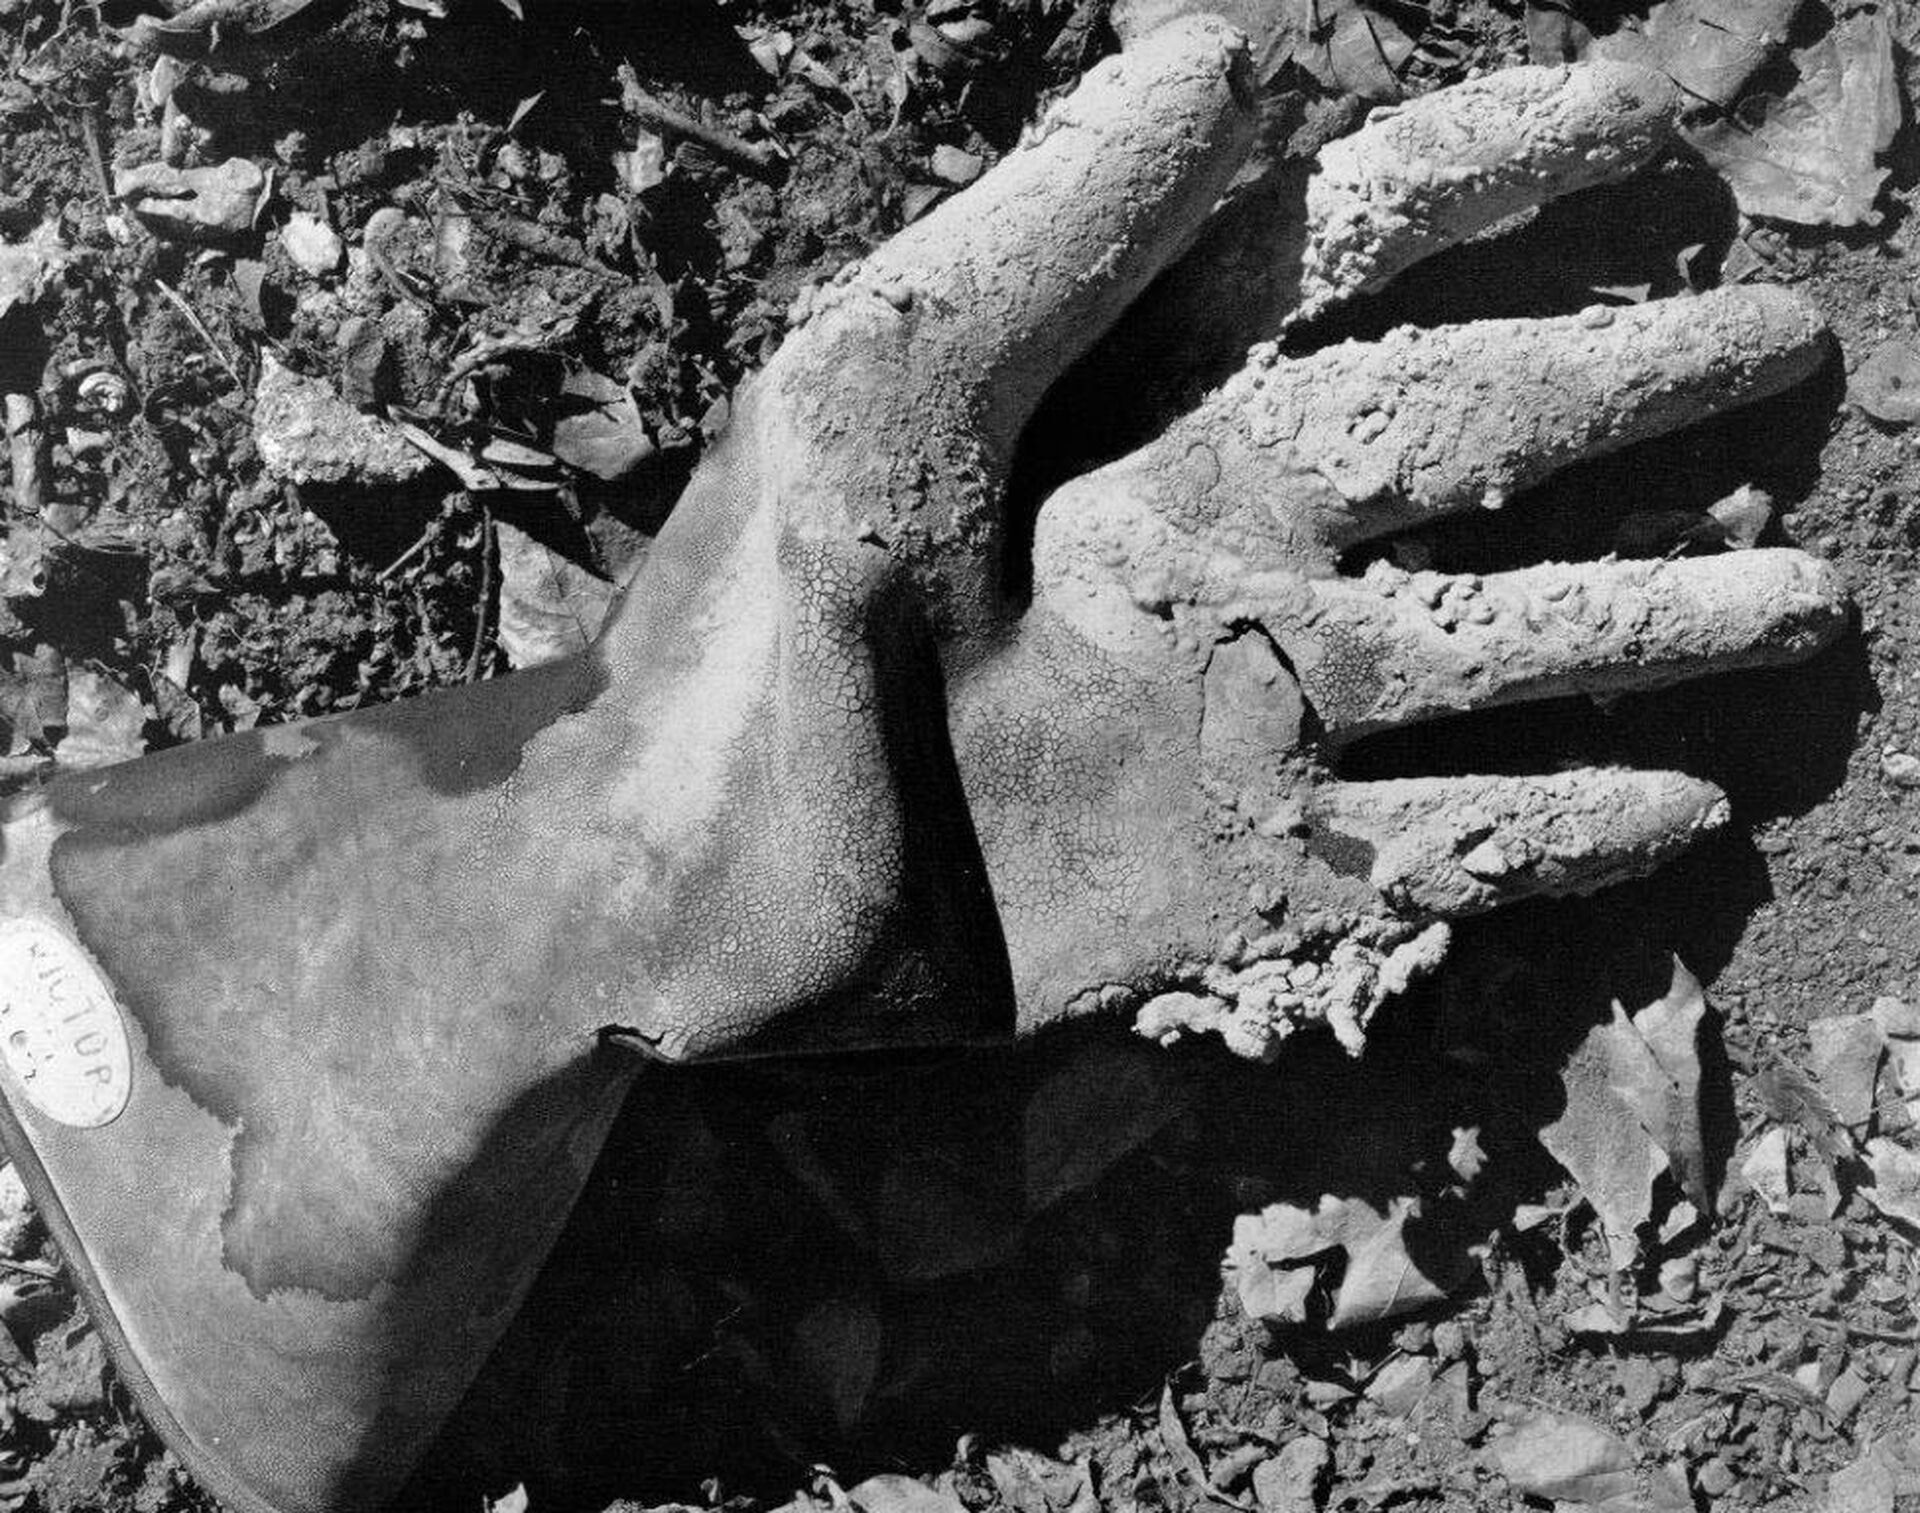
(996, 1274)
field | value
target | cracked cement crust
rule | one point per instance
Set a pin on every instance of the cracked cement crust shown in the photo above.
(1425, 175)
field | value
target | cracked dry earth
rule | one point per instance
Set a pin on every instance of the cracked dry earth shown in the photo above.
(994, 1280)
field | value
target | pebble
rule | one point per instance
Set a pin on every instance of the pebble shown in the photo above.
(307, 434)
(1449, 1340)
(1486, 860)
(952, 165)
(1887, 384)
(1401, 1384)
(1290, 1481)
(314, 246)
(1900, 768)
(1370, 426)
(196, 204)
(1716, 1478)
(18, 1222)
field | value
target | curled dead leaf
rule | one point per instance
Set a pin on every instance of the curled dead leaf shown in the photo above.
(1382, 1278)
(1811, 156)
(192, 23)
(105, 722)
(1633, 1109)
(599, 429)
(549, 607)
(1766, 1171)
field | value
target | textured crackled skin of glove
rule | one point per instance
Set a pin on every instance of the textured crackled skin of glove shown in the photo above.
(308, 1036)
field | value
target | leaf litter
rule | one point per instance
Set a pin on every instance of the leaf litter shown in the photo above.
(1805, 152)
(1633, 1111)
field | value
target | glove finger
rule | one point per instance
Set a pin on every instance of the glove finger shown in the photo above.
(1028, 267)
(1447, 847)
(1429, 174)
(1409, 183)
(1292, 462)
(1427, 423)
(1393, 647)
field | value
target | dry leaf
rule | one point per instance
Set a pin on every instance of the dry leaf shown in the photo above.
(1554, 36)
(837, 1345)
(1597, 1317)
(1290, 1481)
(1667, 1490)
(26, 267)
(1846, 1059)
(1032, 1483)
(549, 607)
(1351, 48)
(1710, 48)
(1866, 1486)
(1272, 1294)
(1381, 1279)
(218, 201)
(33, 695)
(901, 1494)
(366, 362)
(1399, 1385)
(1887, 1469)
(600, 430)
(1600, 1140)
(196, 19)
(1564, 1457)
(1669, 1105)
(1790, 1096)
(1766, 1170)
(1900, 1028)
(1810, 158)
(1344, 45)
(1896, 1181)
(1103, 1105)
(941, 1213)
(1896, 1017)
(104, 722)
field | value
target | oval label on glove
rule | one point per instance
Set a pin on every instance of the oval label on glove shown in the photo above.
(61, 1034)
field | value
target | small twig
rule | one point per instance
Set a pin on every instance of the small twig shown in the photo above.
(755, 158)
(1386, 63)
(97, 154)
(387, 573)
(538, 240)
(200, 330)
(486, 596)
(30, 1269)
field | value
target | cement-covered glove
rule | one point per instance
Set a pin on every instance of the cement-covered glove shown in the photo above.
(308, 1036)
